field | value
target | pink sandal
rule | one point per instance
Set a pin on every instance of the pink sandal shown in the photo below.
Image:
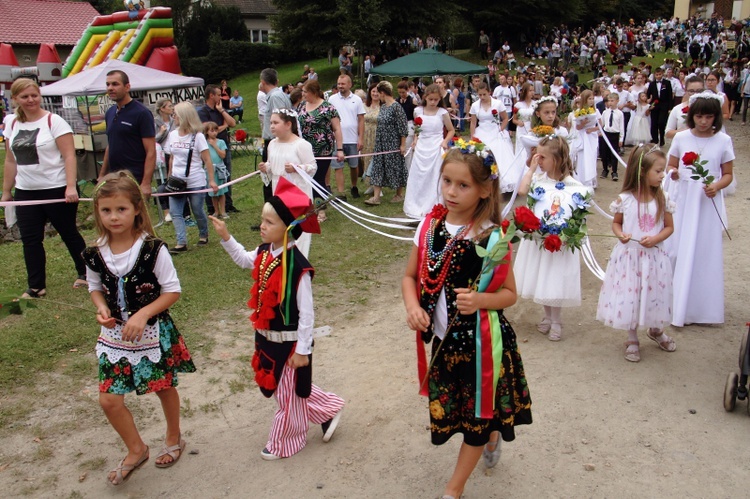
(633, 356)
(667, 345)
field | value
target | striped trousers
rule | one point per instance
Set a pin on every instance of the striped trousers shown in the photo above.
(290, 423)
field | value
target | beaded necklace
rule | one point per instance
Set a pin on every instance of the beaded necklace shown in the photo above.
(266, 268)
(438, 260)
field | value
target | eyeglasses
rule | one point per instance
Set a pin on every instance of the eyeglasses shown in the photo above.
(693, 91)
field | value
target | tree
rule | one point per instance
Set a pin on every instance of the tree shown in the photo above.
(207, 20)
(312, 25)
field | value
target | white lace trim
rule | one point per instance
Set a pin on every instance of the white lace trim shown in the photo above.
(111, 344)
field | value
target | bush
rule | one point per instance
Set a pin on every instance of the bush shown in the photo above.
(229, 58)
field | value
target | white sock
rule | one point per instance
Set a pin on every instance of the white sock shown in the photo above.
(556, 315)
(548, 313)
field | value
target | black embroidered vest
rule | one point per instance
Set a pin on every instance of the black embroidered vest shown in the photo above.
(141, 284)
(464, 269)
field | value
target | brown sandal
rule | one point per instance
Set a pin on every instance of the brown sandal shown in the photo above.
(129, 468)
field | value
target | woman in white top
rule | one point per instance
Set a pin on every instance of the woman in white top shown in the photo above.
(40, 162)
(189, 137)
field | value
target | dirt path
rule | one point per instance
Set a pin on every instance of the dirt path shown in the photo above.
(653, 429)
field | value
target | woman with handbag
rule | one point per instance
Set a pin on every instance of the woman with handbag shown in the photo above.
(189, 152)
(40, 162)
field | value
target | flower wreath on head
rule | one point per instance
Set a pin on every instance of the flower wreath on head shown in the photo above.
(549, 98)
(706, 95)
(476, 146)
(288, 112)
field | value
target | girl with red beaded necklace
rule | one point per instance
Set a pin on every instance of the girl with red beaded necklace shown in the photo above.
(441, 301)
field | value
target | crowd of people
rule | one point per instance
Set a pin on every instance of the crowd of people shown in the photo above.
(406, 139)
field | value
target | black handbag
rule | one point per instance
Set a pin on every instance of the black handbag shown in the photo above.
(177, 184)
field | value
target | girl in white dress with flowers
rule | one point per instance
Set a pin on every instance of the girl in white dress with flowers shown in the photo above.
(422, 188)
(489, 123)
(550, 278)
(584, 127)
(637, 288)
(698, 232)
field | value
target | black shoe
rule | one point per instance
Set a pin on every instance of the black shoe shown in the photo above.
(355, 192)
(203, 242)
(176, 250)
(604, 174)
(341, 197)
(256, 228)
(614, 177)
(232, 209)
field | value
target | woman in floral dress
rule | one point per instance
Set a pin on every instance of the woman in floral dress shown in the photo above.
(320, 125)
(372, 110)
(389, 170)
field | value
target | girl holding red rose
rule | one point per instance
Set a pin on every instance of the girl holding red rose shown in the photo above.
(441, 302)
(422, 187)
(489, 123)
(696, 247)
(548, 272)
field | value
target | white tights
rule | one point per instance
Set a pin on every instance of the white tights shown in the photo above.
(554, 314)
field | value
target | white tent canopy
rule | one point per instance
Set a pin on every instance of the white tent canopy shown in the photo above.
(93, 81)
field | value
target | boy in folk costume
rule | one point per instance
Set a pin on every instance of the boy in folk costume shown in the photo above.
(282, 305)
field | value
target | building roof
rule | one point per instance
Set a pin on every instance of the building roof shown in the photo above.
(248, 7)
(44, 21)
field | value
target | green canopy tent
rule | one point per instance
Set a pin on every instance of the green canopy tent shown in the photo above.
(428, 62)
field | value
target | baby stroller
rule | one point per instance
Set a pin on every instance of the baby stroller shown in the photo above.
(736, 387)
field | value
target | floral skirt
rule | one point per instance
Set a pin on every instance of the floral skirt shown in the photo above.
(123, 377)
(452, 390)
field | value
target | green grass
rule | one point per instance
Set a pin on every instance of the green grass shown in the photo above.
(61, 339)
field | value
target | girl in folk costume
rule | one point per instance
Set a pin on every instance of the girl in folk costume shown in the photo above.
(422, 188)
(583, 125)
(489, 123)
(282, 305)
(637, 288)
(133, 283)
(699, 263)
(285, 152)
(475, 387)
(550, 277)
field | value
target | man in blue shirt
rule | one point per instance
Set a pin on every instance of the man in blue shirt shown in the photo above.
(130, 134)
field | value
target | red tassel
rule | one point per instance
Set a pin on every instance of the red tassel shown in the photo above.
(265, 379)
(255, 362)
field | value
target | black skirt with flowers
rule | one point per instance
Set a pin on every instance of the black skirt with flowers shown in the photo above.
(452, 390)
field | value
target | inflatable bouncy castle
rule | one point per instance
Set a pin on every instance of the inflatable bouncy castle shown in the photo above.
(138, 36)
